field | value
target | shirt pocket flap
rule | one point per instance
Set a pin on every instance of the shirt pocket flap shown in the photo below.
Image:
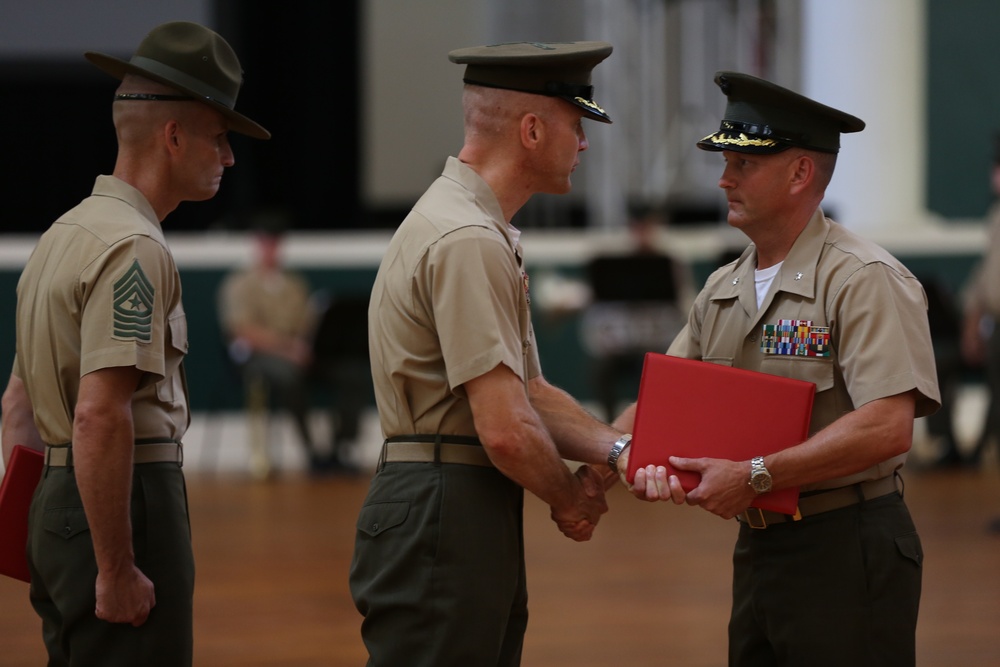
(819, 371)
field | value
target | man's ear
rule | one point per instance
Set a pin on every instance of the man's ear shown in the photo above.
(803, 172)
(172, 135)
(531, 130)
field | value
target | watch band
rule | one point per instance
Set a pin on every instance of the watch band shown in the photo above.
(616, 451)
(760, 476)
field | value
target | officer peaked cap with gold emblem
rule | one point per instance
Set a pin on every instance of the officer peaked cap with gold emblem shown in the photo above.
(762, 117)
(557, 69)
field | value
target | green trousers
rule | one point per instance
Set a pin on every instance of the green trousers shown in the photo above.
(835, 589)
(64, 572)
(438, 567)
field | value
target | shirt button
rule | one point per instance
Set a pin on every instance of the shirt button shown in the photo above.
(375, 527)
(753, 338)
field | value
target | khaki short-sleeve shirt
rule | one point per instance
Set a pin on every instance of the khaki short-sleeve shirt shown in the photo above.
(449, 304)
(101, 290)
(864, 315)
(276, 301)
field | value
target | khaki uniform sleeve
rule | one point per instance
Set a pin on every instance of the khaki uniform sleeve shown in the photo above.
(883, 337)
(475, 295)
(124, 316)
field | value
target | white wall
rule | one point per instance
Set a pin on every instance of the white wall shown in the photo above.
(867, 58)
(411, 93)
(67, 28)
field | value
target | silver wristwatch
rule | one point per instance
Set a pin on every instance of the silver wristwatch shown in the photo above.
(616, 451)
(760, 478)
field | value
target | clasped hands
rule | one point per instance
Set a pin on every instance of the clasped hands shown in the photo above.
(723, 491)
(579, 521)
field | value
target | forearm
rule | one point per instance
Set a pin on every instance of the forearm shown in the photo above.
(578, 435)
(626, 420)
(516, 440)
(18, 424)
(873, 433)
(103, 444)
(102, 457)
(524, 452)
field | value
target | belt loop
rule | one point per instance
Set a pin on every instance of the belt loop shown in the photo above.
(859, 491)
(437, 449)
(381, 456)
(900, 483)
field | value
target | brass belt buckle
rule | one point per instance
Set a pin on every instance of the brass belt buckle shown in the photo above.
(752, 513)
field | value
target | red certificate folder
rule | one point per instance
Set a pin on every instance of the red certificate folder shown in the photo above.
(699, 409)
(19, 482)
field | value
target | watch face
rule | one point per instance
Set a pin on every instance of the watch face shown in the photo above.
(761, 482)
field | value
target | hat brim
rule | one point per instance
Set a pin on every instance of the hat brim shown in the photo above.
(739, 142)
(118, 68)
(591, 109)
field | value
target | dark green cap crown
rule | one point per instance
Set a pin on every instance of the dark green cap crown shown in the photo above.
(193, 60)
(558, 69)
(762, 117)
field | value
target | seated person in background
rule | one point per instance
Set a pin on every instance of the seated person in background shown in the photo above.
(635, 305)
(341, 364)
(267, 320)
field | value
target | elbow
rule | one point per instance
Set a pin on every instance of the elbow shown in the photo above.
(896, 441)
(506, 443)
(902, 444)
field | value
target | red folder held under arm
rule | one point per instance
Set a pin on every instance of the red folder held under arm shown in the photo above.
(698, 409)
(19, 482)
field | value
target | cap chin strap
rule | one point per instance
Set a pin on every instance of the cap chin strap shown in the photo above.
(153, 97)
(559, 89)
(766, 131)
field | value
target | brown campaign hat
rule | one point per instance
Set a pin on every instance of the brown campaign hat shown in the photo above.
(192, 59)
(762, 117)
(556, 69)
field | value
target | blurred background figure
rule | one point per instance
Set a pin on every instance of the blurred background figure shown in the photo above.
(945, 319)
(635, 308)
(341, 366)
(267, 320)
(980, 338)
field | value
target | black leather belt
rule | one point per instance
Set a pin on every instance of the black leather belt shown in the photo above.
(61, 456)
(822, 501)
(430, 448)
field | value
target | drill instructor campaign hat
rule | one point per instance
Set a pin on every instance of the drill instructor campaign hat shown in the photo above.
(762, 117)
(556, 69)
(192, 59)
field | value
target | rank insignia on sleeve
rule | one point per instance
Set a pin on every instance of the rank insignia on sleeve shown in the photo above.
(798, 338)
(133, 305)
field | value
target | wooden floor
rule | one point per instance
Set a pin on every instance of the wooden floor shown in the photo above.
(652, 588)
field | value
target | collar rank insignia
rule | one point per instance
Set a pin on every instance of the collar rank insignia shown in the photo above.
(798, 338)
(132, 307)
